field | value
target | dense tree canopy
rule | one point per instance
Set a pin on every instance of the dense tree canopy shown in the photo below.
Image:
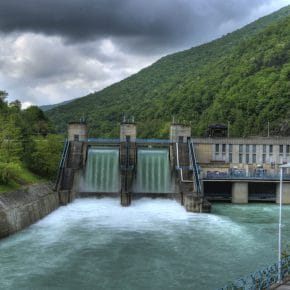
(26, 142)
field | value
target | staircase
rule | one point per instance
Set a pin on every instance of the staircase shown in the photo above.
(189, 179)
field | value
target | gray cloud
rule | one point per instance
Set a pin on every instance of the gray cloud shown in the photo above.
(54, 50)
(141, 22)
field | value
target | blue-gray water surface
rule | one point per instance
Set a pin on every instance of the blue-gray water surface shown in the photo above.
(154, 244)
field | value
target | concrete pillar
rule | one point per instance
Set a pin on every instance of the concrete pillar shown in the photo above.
(179, 133)
(77, 131)
(125, 198)
(285, 195)
(128, 132)
(239, 192)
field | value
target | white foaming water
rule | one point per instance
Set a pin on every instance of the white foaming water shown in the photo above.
(144, 215)
(153, 244)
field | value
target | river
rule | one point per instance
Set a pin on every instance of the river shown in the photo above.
(153, 244)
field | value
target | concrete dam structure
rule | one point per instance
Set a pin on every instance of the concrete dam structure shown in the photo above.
(194, 171)
(130, 168)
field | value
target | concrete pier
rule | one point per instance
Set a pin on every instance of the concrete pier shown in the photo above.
(128, 160)
(240, 192)
(285, 193)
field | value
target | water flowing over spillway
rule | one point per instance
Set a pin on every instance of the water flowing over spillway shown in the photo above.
(153, 172)
(102, 171)
(153, 244)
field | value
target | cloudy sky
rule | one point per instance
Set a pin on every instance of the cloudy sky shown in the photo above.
(56, 50)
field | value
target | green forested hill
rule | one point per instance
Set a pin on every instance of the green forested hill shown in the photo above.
(243, 78)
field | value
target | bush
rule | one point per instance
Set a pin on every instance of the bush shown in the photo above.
(8, 172)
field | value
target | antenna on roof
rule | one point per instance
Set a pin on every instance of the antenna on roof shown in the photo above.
(173, 119)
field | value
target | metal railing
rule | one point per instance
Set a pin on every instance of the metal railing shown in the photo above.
(180, 168)
(244, 175)
(62, 163)
(153, 141)
(262, 279)
(103, 140)
(138, 140)
(195, 167)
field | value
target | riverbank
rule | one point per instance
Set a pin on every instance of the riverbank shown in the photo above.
(25, 206)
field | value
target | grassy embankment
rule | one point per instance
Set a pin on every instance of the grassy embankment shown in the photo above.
(23, 177)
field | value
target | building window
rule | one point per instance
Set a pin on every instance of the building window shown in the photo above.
(224, 148)
(270, 149)
(281, 150)
(76, 137)
(254, 157)
(240, 158)
(217, 148)
(230, 153)
(264, 149)
(247, 158)
(254, 148)
(264, 158)
(240, 148)
(287, 149)
(247, 148)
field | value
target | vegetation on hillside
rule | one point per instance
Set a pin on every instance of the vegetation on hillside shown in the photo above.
(27, 150)
(241, 78)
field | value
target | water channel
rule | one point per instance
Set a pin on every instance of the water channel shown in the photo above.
(153, 172)
(102, 171)
(153, 244)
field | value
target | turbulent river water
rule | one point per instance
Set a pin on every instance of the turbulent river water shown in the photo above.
(154, 244)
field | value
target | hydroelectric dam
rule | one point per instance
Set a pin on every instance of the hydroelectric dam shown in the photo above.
(193, 171)
(130, 168)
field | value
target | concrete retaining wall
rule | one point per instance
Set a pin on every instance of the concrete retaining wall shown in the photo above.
(21, 208)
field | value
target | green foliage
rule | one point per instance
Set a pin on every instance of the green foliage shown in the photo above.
(25, 142)
(44, 159)
(8, 171)
(242, 78)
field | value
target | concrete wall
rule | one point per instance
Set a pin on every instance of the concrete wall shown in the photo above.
(77, 131)
(251, 151)
(24, 207)
(177, 131)
(203, 152)
(128, 129)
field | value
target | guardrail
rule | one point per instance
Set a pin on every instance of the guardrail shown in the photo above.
(249, 175)
(61, 163)
(103, 140)
(180, 168)
(262, 279)
(117, 141)
(195, 167)
(154, 141)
